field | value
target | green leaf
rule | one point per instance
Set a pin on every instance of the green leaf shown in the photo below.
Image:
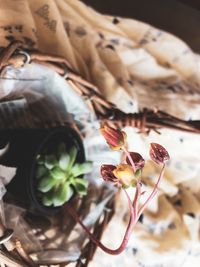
(64, 161)
(72, 155)
(62, 195)
(40, 159)
(81, 168)
(50, 161)
(69, 178)
(57, 173)
(47, 200)
(81, 186)
(46, 184)
(41, 171)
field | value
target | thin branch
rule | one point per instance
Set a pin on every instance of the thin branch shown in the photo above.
(153, 192)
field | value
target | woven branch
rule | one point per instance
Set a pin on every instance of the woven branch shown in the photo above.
(148, 120)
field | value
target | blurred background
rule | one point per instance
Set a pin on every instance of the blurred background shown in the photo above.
(180, 17)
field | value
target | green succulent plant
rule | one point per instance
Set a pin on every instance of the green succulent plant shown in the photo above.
(60, 176)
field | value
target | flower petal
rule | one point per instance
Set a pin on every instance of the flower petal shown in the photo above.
(125, 175)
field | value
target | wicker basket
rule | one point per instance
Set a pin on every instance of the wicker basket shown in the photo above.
(13, 252)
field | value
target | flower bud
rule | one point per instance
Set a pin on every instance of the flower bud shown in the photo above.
(115, 138)
(158, 153)
(125, 175)
(107, 173)
(137, 160)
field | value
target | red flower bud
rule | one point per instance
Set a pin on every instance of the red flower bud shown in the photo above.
(120, 175)
(107, 173)
(158, 153)
(114, 137)
(137, 159)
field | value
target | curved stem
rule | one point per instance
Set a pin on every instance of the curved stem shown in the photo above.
(128, 232)
(130, 159)
(152, 193)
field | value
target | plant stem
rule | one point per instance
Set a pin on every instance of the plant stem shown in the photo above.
(127, 235)
(152, 193)
(130, 159)
(136, 198)
(138, 185)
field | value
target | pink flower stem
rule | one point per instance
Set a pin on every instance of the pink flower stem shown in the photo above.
(155, 190)
(130, 159)
(138, 186)
(136, 198)
(127, 235)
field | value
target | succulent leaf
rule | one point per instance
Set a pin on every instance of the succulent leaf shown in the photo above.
(62, 195)
(58, 174)
(50, 161)
(81, 168)
(72, 154)
(40, 160)
(81, 186)
(64, 161)
(47, 200)
(46, 184)
(41, 171)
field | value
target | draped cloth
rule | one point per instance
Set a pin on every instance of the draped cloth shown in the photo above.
(126, 59)
(134, 65)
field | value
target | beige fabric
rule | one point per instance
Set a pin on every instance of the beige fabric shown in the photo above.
(128, 60)
(16, 23)
(52, 37)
